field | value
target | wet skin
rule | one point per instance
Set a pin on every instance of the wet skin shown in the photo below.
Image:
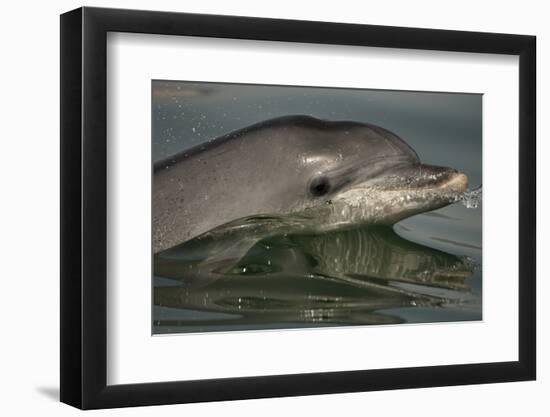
(334, 174)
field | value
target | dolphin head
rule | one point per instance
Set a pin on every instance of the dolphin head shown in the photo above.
(295, 171)
(354, 173)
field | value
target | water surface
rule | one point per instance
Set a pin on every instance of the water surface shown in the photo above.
(424, 269)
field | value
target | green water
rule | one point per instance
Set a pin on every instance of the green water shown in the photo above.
(424, 269)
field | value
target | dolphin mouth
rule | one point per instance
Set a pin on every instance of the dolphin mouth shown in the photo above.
(399, 193)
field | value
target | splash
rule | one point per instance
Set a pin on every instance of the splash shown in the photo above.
(471, 198)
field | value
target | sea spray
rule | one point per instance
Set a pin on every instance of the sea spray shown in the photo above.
(471, 198)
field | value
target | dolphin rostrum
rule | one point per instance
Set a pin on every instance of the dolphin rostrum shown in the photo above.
(331, 174)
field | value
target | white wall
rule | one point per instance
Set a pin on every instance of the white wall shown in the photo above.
(29, 211)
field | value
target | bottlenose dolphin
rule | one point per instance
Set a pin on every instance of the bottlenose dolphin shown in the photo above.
(330, 174)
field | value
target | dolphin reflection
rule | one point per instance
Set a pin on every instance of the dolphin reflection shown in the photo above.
(342, 277)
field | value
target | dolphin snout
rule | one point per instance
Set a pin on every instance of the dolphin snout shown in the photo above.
(426, 177)
(457, 182)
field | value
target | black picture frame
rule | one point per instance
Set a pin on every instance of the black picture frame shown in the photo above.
(84, 207)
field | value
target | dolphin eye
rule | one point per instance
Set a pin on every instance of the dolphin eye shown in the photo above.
(319, 186)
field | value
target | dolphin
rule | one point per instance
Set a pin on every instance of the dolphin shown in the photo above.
(328, 174)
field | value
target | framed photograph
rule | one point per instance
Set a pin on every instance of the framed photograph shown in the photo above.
(256, 208)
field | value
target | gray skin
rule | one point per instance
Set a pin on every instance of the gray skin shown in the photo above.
(334, 173)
